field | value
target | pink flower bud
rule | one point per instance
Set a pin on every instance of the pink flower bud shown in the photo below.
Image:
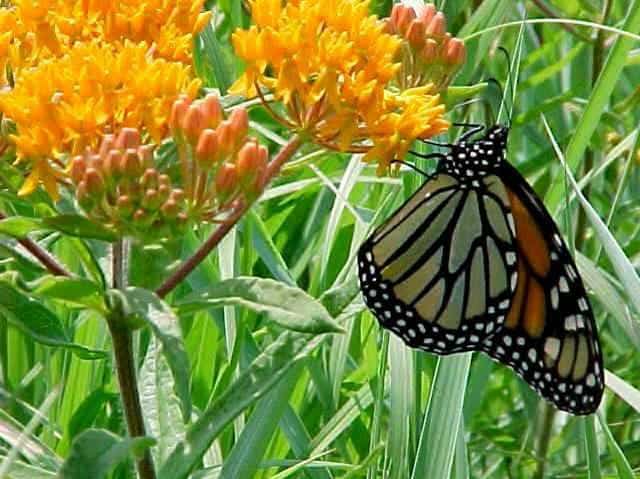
(170, 209)
(131, 165)
(455, 52)
(124, 205)
(426, 13)
(193, 123)
(226, 180)
(78, 169)
(430, 51)
(438, 25)
(94, 182)
(108, 143)
(239, 120)
(212, 110)
(128, 138)
(401, 17)
(149, 178)
(145, 152)
(416, 34)
(178, 112)
(207, 149)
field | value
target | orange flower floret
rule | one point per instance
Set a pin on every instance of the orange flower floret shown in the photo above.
(334, 67)
(65, 104)
(55, 25)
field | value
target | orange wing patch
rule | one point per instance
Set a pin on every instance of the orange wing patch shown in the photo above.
(531, 243)
(529, 303)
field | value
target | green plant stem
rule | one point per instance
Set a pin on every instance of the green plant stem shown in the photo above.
(45, 258)
(238, 212)
(122, 340)
(544, 438)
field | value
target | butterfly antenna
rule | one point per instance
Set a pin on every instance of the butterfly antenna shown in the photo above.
(510, 83)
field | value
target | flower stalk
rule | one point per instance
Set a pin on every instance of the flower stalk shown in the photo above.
(238, 210)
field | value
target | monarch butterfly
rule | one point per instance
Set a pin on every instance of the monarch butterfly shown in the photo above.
(474, 262)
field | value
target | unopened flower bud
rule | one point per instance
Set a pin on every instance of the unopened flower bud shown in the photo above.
(207, 149)
(112, 163)
(401, 17)
(128, 138)
(438, 25)
(151, 200)
(124, 205)
(250, 161)
(416, 33)
(149, 179)
(193, 122)
(94, 182)
(212, 110)
(226, 180)
(170, 209)
(78, 169)
(164, 180)
(178, 112)
(163, 192)
(455, 52)
(140, 215)
(145, 152)
(426, 13)
(239, 120)
(226, 140)
(177, 195)
(130, 165)
(430, 51)
(85, 200)
(108, 143)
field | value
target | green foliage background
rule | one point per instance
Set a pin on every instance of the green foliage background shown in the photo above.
(268, 389)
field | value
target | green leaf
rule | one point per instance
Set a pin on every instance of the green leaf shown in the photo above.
(96, 452)
(253, 383)
(19, 226)
(76, 225)
(288, 306)
(267, 250)
(442, 419)
(76, 292)
(142, 305)
(249, 449)
(38, 322)
(625, 471)
(160, 404)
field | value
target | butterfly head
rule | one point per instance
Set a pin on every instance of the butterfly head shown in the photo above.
(469, 160)
(497, 135)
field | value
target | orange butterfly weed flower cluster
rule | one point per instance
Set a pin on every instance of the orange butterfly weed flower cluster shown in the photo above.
(334, 67)
(79, 69)
(125, 187)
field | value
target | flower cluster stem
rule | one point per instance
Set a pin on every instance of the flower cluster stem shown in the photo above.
(241, 208)
(48, 261)
(122, 341)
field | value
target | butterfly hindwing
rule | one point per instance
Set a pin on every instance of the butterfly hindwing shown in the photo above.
(549, 337)
(441, 271)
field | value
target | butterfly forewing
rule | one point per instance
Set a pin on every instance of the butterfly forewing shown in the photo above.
(550, 336)
(440, 272)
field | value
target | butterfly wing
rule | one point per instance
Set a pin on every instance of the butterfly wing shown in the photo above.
(549, 337)
(441, 271)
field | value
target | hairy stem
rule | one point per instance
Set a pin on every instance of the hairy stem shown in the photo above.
(239, 210)
(45, 258)
(122, 340)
